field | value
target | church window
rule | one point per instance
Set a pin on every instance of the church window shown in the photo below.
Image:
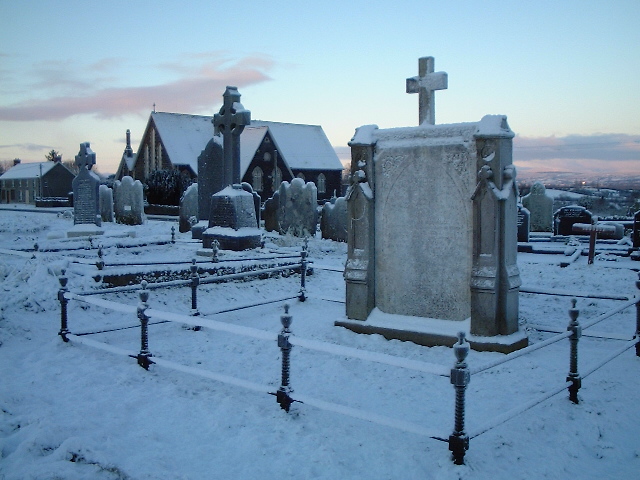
(256, 175)
(322, 183)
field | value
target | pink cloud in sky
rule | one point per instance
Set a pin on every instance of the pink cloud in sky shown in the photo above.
(198, 88)
(600, 153)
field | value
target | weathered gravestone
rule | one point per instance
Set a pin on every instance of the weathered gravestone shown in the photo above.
(333, 223)
(565, 217)
(189, 208)
(293, 209)
(232, 214)
(86, 195)
(524, 218)
(129, 201)
(432, 234)
(106, 203)
(540, 205)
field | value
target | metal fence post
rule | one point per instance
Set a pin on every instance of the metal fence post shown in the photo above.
(100, 261)
(64, 330)
(302, 295)
(173, 234)
(195, 281)
(638, 318)
(282, 395)
(215, 247)
(143, 356)
(460, 378)
(576, 332)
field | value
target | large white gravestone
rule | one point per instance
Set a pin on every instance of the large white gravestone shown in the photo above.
(432, 233)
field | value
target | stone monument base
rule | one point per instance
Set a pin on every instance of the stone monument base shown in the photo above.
(84, 230)
(431, 332)
(243, 238)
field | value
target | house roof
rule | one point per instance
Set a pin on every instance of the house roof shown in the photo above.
(303, 147)
(27, 170)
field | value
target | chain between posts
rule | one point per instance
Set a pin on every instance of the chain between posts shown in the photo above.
(64, 330)
(460, 378)
(576, 332)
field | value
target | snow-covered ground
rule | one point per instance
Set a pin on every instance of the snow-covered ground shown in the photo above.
(71, 411)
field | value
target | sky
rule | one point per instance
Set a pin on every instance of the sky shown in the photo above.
(565, 73)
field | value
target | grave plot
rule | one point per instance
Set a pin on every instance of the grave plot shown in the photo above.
(353, 407)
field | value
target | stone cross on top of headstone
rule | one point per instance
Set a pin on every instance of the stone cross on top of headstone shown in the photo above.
(426, 83)
(230, 121)
(86, 157)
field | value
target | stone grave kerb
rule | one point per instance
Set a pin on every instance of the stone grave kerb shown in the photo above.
(230, 122)
(425, 84)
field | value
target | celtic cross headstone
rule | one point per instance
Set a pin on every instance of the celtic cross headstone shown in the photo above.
(230, 122)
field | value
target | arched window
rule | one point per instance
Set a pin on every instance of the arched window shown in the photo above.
(277, 179)
(256, 176)
(322, 183)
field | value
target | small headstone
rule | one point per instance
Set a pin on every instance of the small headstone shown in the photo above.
(129, 201)
(106, 203)
(256, 198)
(189, 208)
(86, 188)
(565, 217)
(292, 209)
(333, 223)
(523, 224)
(540, 206)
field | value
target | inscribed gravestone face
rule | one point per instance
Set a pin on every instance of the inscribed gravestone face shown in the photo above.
(523, 224)
(86, 185)
(565, 217)
(540, 206)
(333, 224)
(129, 201)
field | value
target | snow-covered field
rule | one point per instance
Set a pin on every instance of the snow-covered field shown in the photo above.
(71, 411)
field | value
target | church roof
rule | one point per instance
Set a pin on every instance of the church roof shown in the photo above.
(27, 170)
(303, 147)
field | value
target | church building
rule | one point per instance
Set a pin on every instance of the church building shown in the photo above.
(270, 152)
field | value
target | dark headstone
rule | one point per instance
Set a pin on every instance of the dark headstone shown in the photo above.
(636, 230)
(210, 175)
(86, 189)
(565, 217)
(232, 220)
(523, 224)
